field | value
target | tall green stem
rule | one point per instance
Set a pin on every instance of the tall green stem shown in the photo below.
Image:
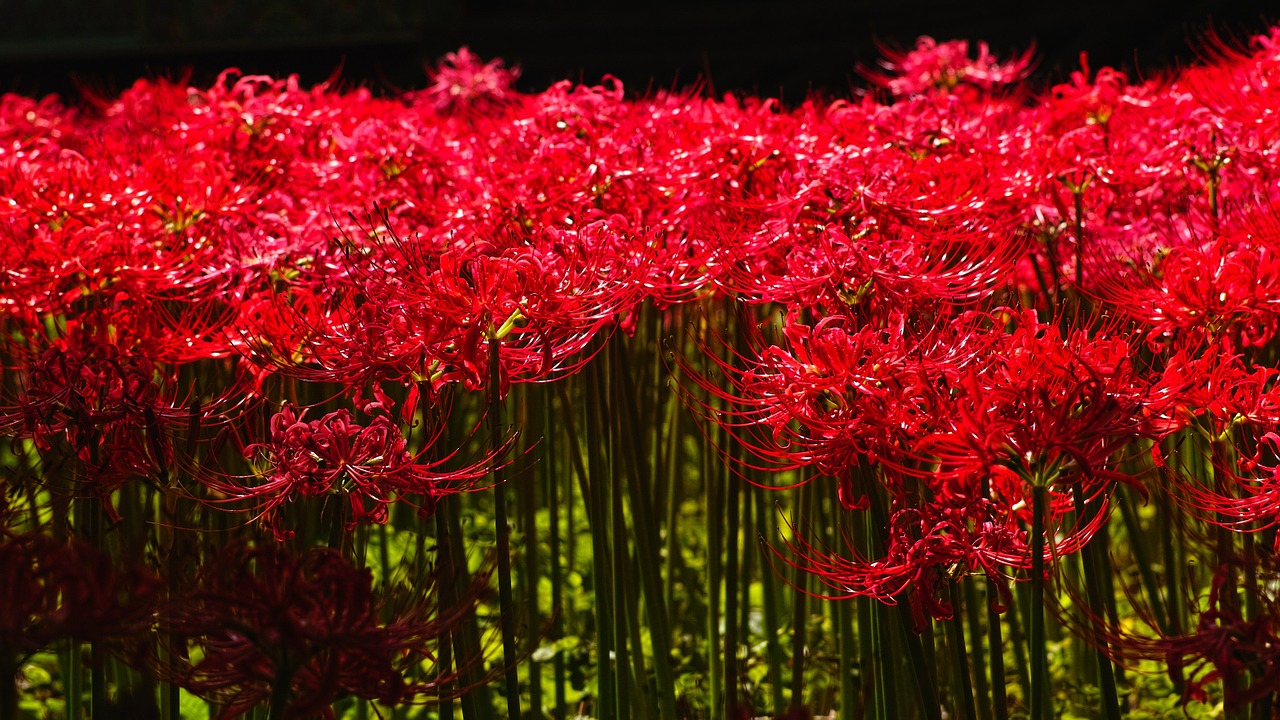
(959, 656)
(552, 484)
(772, 625)
(995, 647)
(800, 616)
(1094, 597)
(506, 604)
(1041, 707)
(644, 518)
(594, 490)
(922, 669)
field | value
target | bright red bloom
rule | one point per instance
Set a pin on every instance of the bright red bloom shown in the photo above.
(418, 313)
(932, 66)
(368, 465)
(1222, 290)
(929, 547)
(1045, 408)
(462, 82)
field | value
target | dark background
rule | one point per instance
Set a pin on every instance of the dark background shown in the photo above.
(770, 48)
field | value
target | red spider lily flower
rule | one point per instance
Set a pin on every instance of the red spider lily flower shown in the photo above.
(1243, 655)
(1238, 88)
(542, 299)
(1221, 290)
(111, 409)
(932, 67)
(820, 399)
(974, 426)
(302, 631)
(871, 205)
(57, 590)
(110, 240)
(315, 335)
(831, 394)
(1046, 408)
(461, 82)
(1212, 390)
(1092, 98)
(879, 263)
(368, 465)
(928, 548)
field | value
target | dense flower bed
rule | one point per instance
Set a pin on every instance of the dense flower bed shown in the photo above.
(989, 322)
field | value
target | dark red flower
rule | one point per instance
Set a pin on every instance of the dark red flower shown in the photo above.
(58, 590)
(266, 625)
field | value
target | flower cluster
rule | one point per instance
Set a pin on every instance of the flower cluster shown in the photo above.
(979, 315)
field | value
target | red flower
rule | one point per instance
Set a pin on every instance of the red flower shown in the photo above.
(1044, 408)
(57, 590)
(368, 465)
(928, 548)
(461, 82)
(419, 313)
(107, 407)
(301, 631)
(934, 66)
(1244, 655)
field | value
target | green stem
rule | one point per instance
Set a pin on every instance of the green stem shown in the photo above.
(799, 608)
(973, 613)
(922, 669)
(731, 597)
(639, 699)
(98, 669)
(673, 497)
(557, 568)
(444, 650)
(467, 652)
(639, 480)
(713, 500)
(868, 657)
(871, 655)
(1094, 596)
(995, 646)
(1176, 609)
(1137, 545)
(848, 652)
(1018, 611)
(628, 691)
(715, 546)
(959, 656)
(598, 518)
(506, 604)
(888, 639)
(772, 626)
(529, 521)
(1041, 707)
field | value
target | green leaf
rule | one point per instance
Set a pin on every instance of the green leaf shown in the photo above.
(547, 651)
